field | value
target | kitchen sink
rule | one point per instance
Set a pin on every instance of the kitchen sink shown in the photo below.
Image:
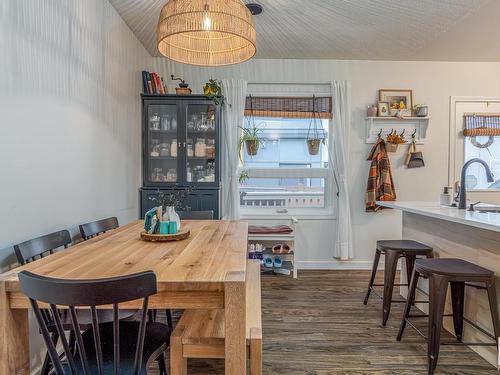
(487, 208)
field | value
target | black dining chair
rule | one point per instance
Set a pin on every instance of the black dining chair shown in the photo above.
(115, 347)
(38, 248)
(196, 215)
(94, 228)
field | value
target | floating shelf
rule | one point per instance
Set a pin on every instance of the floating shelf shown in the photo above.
(386, 124)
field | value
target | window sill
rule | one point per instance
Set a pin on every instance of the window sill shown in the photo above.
(287, 216)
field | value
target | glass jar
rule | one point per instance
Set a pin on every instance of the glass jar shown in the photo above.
(200, 149)
(189, 174)
(173, 148)
(155, 148)
(210, 149)
(173, 123)
(165, 122)
(171, 175)
(157, 175)
(164, 149)
(189, 148)
(154, 122)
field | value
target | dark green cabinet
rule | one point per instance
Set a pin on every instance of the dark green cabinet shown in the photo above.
(181, 148)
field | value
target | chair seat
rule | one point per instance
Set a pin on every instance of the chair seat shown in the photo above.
(451, 267)
(85, 318)
(156, 341)
(403, 245)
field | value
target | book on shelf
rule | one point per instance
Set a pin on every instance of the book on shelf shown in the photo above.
(152, 83)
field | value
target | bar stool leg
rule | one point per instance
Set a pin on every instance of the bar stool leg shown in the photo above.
(409, 302)
(457, 304)
(437, 297)
(391, 264)
(492, 298)
(372, 277)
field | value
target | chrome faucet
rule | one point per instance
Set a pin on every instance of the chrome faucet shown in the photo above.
(489, 176)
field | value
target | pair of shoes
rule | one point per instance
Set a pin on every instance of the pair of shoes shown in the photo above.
(281, 249)
(270, 263)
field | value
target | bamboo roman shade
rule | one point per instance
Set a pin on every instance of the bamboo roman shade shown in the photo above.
(289, 107)
(486, 124)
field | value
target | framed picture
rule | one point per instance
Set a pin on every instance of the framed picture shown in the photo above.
(383, 109)
(400, 101)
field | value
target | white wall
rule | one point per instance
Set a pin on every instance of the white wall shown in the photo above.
(433, 83)
(70, 133)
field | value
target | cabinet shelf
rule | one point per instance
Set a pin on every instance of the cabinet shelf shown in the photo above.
(163, 157)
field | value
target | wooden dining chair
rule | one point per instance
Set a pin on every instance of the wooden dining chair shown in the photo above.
(39, 247)
(115, 347)
(94, 228)
(196, 215)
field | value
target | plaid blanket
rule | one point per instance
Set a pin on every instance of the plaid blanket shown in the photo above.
(380, 186)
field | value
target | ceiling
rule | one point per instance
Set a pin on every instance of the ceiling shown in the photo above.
(441, 30)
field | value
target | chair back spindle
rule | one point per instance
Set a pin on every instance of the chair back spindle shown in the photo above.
(71, 294)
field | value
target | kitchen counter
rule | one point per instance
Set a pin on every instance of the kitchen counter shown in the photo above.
(453, 233)
(483, 220)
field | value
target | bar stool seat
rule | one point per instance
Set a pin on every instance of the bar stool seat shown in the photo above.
(393, 250)
(458, 273)
(456, 269)
(410, 246)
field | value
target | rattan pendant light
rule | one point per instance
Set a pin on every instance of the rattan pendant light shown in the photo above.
(206, 32)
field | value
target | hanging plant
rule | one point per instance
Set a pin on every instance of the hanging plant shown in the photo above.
(213, 90)
(316, 133)
(250, 134)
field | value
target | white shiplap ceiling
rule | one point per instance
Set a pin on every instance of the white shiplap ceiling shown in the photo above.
(448, 30)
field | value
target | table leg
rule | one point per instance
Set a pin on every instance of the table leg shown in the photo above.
(235, 319)
(14, 338)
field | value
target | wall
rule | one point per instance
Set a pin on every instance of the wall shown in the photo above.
(433, 83)
(70, 135)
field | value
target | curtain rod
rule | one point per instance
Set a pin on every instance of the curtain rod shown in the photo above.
(291, 83)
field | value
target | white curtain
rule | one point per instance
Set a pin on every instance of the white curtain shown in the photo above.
(233, 112)
(339, 165)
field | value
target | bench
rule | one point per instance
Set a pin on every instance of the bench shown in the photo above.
(200, 333)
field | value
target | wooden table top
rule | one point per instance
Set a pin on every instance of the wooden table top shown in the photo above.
(215, 253)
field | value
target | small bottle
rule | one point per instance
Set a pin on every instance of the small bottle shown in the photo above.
(189, 174)
(445, 197)
(173, 148)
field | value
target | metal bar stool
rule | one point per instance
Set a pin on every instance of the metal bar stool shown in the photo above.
(458, 273)
(393, 250)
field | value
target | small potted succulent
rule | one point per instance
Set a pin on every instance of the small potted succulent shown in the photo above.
(213, 90)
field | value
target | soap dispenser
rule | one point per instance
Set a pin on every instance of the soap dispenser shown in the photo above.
(445, 197)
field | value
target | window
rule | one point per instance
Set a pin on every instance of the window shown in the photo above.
(283, 177)
(476, 176)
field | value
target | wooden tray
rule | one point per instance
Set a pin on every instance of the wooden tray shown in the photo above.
(181, 235)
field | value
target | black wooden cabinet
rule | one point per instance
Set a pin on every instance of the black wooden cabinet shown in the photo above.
(181, 149)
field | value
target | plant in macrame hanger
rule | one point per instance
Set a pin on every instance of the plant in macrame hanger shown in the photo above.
(250, 133)
(315, 133)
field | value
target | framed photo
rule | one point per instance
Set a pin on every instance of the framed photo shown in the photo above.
(400, 101)
(383, 109)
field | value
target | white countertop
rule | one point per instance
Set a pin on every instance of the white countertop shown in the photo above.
(484, 220)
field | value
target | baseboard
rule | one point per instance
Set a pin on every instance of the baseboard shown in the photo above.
(336, 265)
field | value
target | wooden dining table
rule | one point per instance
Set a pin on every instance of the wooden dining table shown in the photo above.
(205, 271)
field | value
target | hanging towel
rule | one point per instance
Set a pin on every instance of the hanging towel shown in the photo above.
(380, 186)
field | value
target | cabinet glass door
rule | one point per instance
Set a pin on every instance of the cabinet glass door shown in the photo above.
(201, 142)
(162, 144)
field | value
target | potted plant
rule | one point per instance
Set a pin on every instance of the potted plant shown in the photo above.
(213, 90)
(394, 140)
(316, 133)
(250, 137)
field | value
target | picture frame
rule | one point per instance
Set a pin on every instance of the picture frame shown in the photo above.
(383, 109)
(395, 97)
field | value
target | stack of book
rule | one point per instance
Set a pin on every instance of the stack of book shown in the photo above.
(152, 83)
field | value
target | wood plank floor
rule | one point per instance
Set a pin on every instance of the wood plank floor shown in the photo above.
(318, 325)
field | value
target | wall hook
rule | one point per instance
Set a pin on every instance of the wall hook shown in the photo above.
(414, 132)
(380, 133)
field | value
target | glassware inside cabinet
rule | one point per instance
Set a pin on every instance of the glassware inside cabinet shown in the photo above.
(201, 145)
(162, 136)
